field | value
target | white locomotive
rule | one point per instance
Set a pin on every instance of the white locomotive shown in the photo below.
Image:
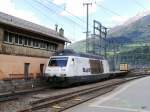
(68, 67)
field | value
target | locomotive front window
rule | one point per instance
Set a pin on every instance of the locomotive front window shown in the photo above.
(61, 61)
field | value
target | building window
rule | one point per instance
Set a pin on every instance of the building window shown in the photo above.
(11, 37)
(52, 47)
(20, 40)
(48, 46)
(55, 48)
(28, 41)
(25, 41)
(43, 45)
(8, 37)
(16, 39)
(35, 43)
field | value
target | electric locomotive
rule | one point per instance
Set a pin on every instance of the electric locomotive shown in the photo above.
(67, 67)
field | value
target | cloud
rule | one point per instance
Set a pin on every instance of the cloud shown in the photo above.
(58, 2)
(76, 7)
(117, 20)
(8, 6)
(125, 20)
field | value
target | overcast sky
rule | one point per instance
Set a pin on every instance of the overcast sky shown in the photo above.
(71, 14)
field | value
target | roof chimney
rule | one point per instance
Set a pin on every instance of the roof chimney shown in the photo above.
(61, 32)
(56, 27)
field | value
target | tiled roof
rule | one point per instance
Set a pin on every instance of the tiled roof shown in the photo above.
(23, 24)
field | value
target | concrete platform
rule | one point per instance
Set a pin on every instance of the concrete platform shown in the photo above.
(130, 97)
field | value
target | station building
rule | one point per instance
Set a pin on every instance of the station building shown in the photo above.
(25, 47)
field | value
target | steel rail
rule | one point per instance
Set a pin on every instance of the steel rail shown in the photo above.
(60, 98)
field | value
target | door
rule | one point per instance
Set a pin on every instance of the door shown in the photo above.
(41, 69)
(26, 71)
(75, 67)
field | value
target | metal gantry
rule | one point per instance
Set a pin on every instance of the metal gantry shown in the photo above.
(99, 35)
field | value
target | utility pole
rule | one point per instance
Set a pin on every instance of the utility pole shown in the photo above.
(100, 40)
(114, 56)
(105, 47)
(87, 26)
(94, 42)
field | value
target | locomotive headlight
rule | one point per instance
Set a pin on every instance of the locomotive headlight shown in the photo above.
(63, 75)
(63, 69)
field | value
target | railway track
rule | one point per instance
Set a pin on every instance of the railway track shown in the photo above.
(64, 101)
(16, 94)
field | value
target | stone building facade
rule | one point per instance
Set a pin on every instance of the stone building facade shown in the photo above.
(25, 47)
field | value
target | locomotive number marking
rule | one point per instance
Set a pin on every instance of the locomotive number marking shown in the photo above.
(86, 70)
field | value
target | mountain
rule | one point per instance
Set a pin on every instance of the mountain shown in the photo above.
(131, 20)
(137, 16)
(135, 30)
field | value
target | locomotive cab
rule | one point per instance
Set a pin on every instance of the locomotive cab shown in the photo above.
(59, 69)
(57, 66)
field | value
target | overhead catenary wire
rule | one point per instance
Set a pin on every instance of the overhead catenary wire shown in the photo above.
(108, 10)
(66, 11)
(37, 8)
(45, 14)
(54, 11)
(71, 14)
(48, 8)
(139, 4)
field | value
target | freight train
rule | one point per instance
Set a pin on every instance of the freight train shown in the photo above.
(67, 67)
